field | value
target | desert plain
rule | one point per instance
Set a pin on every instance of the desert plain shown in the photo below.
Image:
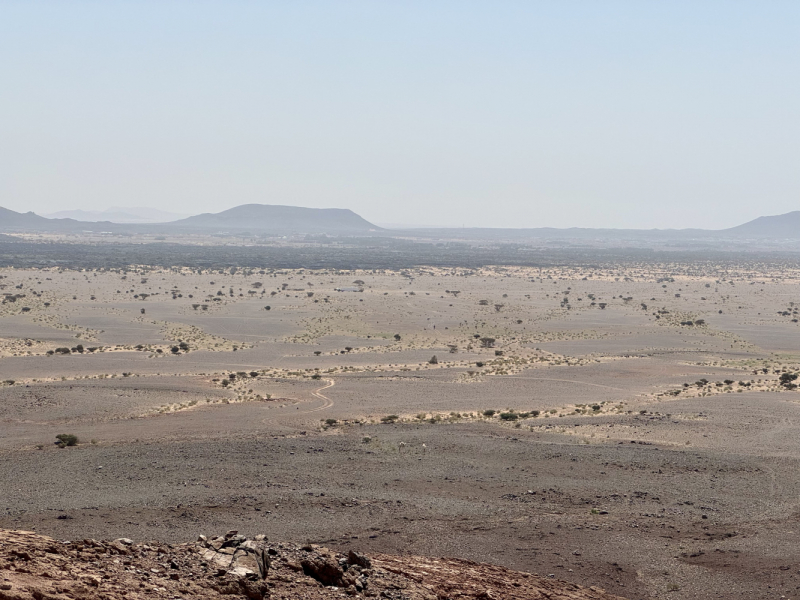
(633, 427)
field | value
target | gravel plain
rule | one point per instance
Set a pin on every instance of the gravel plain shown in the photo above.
(626, 429)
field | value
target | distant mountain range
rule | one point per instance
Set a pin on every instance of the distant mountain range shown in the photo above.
(119, 215)
(283, 220)
(253, 218)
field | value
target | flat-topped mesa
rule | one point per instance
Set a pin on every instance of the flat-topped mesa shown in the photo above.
(36, 567)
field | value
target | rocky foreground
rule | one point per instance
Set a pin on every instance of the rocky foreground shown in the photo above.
(35, 567)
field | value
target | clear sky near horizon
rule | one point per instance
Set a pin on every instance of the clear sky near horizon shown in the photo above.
(635, 114)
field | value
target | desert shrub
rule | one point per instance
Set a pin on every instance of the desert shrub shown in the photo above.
(509, 416)
(390, 419)
(433, 360)
(489, 412)
(595, 407)
(331, 422)
(535, 413)
(66, 439)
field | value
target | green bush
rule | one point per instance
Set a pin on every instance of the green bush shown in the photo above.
(489, 413)
(509, 416)
(67, 439)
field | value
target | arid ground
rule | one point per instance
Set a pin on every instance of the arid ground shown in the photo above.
(633, 428)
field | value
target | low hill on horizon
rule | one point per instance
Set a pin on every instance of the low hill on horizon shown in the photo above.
(786, 225)
(279, 219)
(10, 219)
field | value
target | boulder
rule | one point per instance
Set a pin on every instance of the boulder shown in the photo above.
(355, 558)
(323, 568)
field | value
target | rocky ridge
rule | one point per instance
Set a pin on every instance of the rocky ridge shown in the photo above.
(35, 567)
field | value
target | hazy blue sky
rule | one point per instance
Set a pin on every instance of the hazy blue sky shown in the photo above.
(502, 114)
